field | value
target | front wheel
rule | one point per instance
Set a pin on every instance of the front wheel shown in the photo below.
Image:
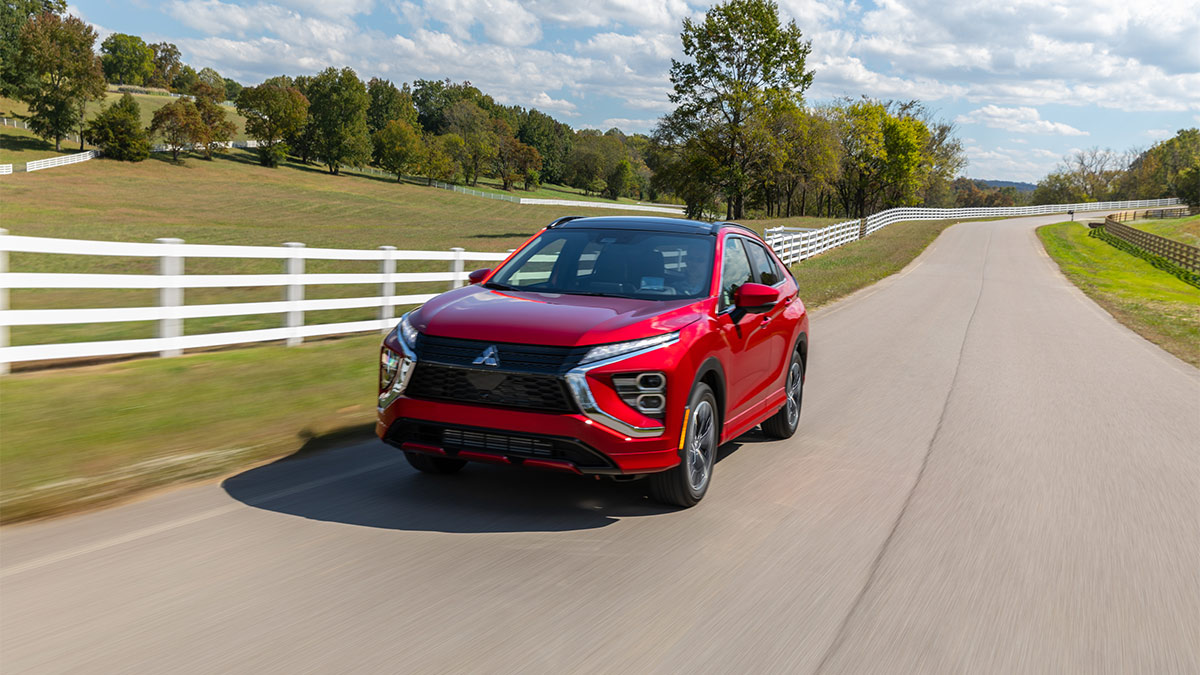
(783, 424)
(686, 484)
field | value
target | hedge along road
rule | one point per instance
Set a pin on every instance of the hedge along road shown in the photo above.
(991, 475)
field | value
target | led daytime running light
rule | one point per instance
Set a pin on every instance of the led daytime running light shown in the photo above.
(608, 351)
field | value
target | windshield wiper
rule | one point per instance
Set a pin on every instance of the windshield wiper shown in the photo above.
(591, 294)
(499, 286)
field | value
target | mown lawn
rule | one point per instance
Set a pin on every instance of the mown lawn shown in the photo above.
(1157, 305)
(1186, 229)
(18, 146)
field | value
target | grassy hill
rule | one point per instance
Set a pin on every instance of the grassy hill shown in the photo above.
(18, 146)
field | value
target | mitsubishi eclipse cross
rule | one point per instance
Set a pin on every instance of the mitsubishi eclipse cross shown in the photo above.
(619, 346)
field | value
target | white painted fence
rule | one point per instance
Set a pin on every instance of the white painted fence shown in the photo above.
(5, 169)
(61, 160)
(794, 244)
(171, 282)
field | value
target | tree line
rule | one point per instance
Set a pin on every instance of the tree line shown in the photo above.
(1169, 168)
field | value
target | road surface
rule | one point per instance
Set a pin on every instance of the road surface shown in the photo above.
(991, 476)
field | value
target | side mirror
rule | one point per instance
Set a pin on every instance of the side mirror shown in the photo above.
(755, 298)
(478, 275)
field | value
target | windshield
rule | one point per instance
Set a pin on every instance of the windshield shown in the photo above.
(620, 263)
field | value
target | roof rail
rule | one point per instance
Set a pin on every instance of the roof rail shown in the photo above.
(560, 221)
(718, 223)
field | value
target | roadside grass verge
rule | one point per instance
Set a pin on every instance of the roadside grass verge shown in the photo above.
(1186, 230)
(81, 437)
(1156, 305)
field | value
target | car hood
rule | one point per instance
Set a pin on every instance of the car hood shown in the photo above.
(477, 313)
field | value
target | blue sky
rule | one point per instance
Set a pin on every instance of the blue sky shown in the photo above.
(1026, 81)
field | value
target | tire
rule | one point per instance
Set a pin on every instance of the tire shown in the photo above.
(686, 484)
(430, 464)
(783, 423)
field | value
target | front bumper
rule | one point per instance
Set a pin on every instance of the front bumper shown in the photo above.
(411, 424)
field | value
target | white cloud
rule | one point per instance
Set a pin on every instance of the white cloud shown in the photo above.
(1021, 120)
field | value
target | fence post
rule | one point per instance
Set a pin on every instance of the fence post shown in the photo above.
(3, 301)
(293, 293)
(170, 264)
(387, 267)
(456, 267)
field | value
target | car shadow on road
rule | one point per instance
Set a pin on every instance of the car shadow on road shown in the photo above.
(371, 485)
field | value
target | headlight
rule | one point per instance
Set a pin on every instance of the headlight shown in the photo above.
(618, 348)
(389, 365)
(407, 332)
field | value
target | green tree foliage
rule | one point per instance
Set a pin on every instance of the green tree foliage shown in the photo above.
(118, 131)
(437, 158)
(167, 65)
(388, 103)
(884, 164)
(1155, 172)
(185, 80)
(1059, 187)
(552, 139)
(742, 62)
(398, 146)
(232, 89)
(60, 73)
(435, 98)
(179, 124)
(1187, 185)
(14, 14)
(214, 130)
(338, 107)
(620, 180)
(303, 142)
(469, 122)
(513, 159)
(273, 113)
(593, 157)
(213, 79)
(126, 59)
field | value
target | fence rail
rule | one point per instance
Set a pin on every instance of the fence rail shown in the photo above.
(171, 282)
(794, 244)
(62, 160)
(5, 169)
(1181, 254)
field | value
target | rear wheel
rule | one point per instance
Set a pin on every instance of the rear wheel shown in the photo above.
(686, 484)
(430, 464)
(783, 423)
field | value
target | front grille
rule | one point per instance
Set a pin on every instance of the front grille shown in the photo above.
(453, 439)
(433, 381)
(517, 357)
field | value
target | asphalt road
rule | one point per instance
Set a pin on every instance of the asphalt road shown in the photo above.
(991, 476)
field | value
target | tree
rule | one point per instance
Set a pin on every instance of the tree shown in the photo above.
(619, 180)
(389, 103)
(185, 80)
(118, 131)
(232, 89)
(214, 131)
(1059, 187)
(14, 14)
(212, 78)
(513, 159)
(61, 73)
(126, 59)
(551, 138)
(398, 146)
(167, 65)
(179, 124)
(743, 61)
(273, 113)
(1187, 185)
(338, 106)
(470, 123)
(436, 161)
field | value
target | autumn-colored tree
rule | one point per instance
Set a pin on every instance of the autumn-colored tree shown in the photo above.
(179, 125)
(273, 113)
(61, 73)
(436, 161)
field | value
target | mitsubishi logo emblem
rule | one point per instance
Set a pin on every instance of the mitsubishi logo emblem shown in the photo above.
(489, 357)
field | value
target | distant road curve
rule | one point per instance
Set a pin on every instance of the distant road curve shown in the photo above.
(992, 476)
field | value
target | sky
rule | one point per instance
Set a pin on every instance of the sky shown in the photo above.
(1025, 81)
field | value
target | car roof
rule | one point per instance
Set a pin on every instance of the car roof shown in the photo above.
(652, 223)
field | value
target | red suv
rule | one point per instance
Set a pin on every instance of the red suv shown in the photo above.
(613, 346)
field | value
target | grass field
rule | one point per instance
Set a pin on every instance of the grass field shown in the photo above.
(1186, 230)
(18, 146)
(1157, 305)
